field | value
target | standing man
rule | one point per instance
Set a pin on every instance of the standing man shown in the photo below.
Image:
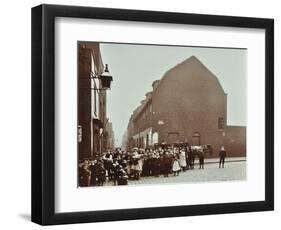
(201, 158)
(222, 155)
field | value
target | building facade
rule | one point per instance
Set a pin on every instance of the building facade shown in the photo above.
(92, 116)
(187, 105)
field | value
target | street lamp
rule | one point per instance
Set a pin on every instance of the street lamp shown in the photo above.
(105, 79)
(105, 82)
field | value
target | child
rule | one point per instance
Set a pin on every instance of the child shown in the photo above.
(122, 176)
(176, 166)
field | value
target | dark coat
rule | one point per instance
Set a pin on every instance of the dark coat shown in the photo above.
(83, 177)
(222, 154)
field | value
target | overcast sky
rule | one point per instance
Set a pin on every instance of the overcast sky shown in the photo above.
(135, 67)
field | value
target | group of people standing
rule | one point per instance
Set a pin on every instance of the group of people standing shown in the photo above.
(120, 166)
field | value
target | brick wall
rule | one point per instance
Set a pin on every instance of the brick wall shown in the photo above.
(188, 104)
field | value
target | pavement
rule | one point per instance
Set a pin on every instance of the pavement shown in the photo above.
(217, 160)
(234, 170)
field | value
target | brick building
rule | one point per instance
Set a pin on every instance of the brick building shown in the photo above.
(187, 105)
(92, 115)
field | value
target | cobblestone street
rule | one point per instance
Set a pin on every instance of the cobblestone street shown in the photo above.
(233, 170)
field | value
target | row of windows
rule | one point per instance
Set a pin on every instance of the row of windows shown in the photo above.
(146, 113)
(144, 116)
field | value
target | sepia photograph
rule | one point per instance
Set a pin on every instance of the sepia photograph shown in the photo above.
(140, 114)
(151, 114)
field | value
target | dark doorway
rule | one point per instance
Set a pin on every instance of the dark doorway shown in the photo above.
(196, 139)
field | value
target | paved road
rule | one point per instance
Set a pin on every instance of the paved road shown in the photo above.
(211, 172)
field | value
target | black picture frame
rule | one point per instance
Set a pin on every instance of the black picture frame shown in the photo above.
(43, 110)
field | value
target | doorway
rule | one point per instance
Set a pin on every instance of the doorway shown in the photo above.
(196, 139)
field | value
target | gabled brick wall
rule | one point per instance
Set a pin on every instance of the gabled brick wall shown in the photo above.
(187, 104)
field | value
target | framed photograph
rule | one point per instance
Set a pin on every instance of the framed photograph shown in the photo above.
(144, 114)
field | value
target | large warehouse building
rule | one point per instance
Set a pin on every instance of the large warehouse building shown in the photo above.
(187, 105)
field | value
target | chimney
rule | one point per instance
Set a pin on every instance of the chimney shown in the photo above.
(147, 95)
(155, 83)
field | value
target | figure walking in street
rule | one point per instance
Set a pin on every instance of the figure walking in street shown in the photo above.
(222, 155)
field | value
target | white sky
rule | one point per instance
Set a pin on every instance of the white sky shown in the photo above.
(135, 67)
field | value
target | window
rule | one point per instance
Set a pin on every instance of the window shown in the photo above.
(220, 123)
